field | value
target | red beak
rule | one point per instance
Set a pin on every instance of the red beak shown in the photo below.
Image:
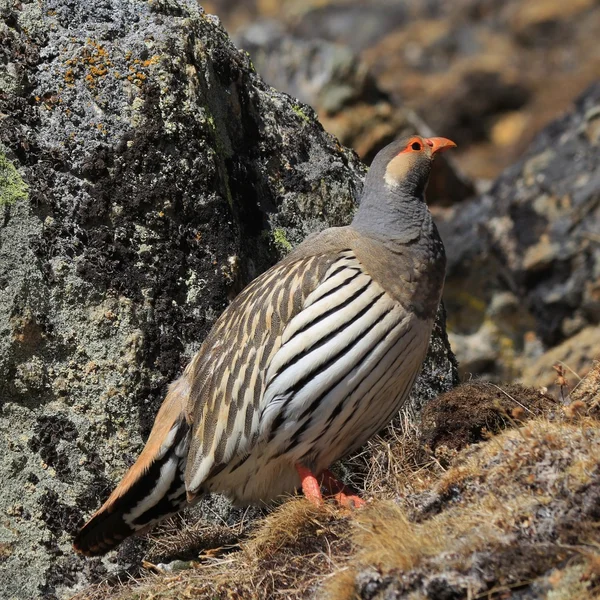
(439, 144)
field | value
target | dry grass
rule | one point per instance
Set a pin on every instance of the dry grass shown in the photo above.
(392, 465)
(495, 506)
(286, 555)
(517, 511)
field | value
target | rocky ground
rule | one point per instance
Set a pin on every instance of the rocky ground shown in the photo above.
(500, 501)
(147, 173)
(523, 279)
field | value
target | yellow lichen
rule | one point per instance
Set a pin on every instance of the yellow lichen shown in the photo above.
(12, 186)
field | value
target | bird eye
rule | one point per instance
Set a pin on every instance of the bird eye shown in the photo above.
(415, 146)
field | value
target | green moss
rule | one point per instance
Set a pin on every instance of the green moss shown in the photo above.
(298, 110)
(281, 240)
(12, 186)
(250, 63)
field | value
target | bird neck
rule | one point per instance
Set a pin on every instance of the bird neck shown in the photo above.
(404, 248)
(393, 217)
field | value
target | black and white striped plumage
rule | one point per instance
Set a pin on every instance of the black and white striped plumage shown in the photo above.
(308, 362)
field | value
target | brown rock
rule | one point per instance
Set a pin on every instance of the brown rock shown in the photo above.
(575, 354)
(524, 258)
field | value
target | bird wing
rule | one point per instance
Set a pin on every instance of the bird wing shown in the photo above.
(341, 324)
(287, 340)
(228, 376)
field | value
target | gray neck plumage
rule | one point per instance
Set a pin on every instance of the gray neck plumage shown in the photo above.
(408, 247)
(392, 216)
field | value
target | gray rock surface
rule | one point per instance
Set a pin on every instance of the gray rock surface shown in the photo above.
(320, 73)
(146, 174)
(524, 258)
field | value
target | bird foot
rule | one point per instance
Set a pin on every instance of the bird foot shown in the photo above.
(349, 500)
(310, 486)
(341, 493)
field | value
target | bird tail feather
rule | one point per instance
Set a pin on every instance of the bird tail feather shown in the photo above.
(154, 486)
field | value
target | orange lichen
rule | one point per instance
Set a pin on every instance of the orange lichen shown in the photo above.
(151, 61)
(94, 60)
(93, 64)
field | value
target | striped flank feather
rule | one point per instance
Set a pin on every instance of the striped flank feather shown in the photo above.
(326, 343)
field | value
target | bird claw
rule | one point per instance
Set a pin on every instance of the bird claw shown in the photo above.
(351, 501)
(310, 486)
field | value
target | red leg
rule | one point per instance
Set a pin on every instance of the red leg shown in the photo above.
(342, 494)
(310, 485)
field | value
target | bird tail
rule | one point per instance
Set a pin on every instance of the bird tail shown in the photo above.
(152, 489)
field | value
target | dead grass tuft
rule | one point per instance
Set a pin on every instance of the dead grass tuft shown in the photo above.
(184, 538)
(392, 465)
(386, 538)
(285, 556)
(289, 525)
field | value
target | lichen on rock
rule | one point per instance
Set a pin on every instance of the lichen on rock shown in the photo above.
(12, 186)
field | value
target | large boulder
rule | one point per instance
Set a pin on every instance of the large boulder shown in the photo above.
(146, 174)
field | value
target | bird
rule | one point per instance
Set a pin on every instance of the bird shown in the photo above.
(309, 361)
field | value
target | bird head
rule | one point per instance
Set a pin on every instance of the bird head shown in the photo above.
(404, 165)
(392, 201)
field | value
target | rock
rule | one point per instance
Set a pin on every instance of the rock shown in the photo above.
(575, 355)
(524, 258)
(360, 25)
(317, 72)
(146, 174)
